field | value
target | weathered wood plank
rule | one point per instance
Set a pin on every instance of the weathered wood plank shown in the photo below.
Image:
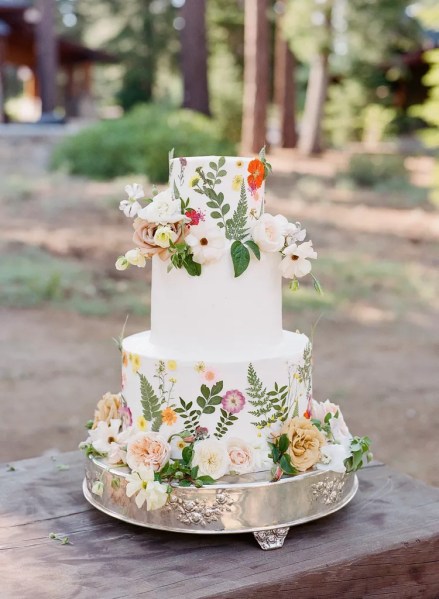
(384, 544)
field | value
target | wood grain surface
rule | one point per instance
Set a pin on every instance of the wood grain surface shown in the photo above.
(384, 544)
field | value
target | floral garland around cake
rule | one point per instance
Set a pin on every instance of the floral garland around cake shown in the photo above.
(167, 226)
(319, 440)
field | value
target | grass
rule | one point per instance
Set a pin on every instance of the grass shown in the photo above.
(31, 277)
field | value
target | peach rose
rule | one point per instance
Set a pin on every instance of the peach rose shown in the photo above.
(143, 237)
(241, 456)
(107, 409)
(147, 449)
(305, 442)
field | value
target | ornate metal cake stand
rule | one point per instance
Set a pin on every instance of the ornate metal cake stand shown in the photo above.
(238, 504)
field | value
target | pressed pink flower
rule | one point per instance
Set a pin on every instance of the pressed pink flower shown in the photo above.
(125, 416)
(233, 401)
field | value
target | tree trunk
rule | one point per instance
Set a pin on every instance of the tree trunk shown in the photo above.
(284, 89)
(310, 141)
(194, 56)
(47, 55)
(256, 76)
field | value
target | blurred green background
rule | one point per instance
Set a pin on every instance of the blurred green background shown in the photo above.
(347, 102)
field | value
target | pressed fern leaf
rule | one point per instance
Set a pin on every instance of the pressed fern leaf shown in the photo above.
(236, 226)
(150, 402)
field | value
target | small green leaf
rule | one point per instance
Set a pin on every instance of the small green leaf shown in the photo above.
(209, 410)
(254, 248)
(225, 209)
(215, 215)
(221, 173)
(187, 454)
(192, 268)
(283, 443)
(201, 402)
(217, 388)
(285, 464)
(213, 166)
(184, 483)
(240, 257)
(221, 162)
(205, 391)
(207, 480)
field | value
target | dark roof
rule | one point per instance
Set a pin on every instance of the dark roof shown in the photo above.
(14, 24)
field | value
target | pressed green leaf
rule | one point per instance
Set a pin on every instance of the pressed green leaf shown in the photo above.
(215, 401)
(217, 388)
(213, 166)
(240, 258)
(222, 173)
(205, 391)
(221, 162)
(209, 410)
(215, 215)
(225, 209)
(201, 402)
(254, 248)
(151, 405)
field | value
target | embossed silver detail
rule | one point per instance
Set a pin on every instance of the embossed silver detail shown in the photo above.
(329, 490)
(271, 539)
(196, 511)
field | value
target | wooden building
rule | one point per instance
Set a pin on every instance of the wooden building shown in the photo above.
(59, 70)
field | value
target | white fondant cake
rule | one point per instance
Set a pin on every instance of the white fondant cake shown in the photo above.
(216, 356)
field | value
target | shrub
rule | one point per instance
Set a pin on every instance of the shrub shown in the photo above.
(139, 142)
(369, 170)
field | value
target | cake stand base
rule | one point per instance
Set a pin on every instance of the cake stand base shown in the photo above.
(236, 504)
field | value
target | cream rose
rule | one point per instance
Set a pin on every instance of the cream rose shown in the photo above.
(268, 232)
(211, 457)
(136, 258)
(305, 442)
(107, 409)
(241, 456)
(164, 235)
(148, 449)
(337, 423)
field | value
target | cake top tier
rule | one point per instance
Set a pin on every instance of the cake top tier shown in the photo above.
(226, 191)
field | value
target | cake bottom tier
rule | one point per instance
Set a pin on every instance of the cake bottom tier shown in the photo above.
(239, 402)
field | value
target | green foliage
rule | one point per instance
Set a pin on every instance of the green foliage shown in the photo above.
(224, 423)
(151, 405)
(181, 257)
(206, 186)
(182, 472)
(268, 406)
(367, 170)
(240, 257)
(280, 457)
(139, 142)
(360, 448)
(343, 108)
(207, 402)
(236, 226)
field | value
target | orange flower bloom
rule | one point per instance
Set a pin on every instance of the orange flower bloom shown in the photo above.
(257, 174)
(169, 416)
(125, 358)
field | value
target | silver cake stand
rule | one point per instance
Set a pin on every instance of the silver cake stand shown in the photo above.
(237, 504)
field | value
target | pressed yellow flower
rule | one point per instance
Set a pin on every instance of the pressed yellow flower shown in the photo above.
(169, 416)
(200, 367)
(181, 444)
(172, 380)
(171, 365)
(239, 163)
(135, 362)
(237, 182)
(142, 423)
(193, 181)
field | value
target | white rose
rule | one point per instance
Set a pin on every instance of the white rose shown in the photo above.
(156, 495)
(136, 258)
(116, 455)
(164, 235)
(163, 209)
(333, 457)
(211, 457)
(296, 262)
(241, 456)
(208, 243)
(268, 232)
(338, 426)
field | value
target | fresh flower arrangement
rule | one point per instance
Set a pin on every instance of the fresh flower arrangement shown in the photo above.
(166, 225)
(320, 440)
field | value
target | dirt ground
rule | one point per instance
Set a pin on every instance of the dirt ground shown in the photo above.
(376, 346)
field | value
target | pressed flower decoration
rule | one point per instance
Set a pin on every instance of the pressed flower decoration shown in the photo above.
(166, 225)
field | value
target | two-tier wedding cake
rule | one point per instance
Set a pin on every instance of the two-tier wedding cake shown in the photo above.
(216, 387)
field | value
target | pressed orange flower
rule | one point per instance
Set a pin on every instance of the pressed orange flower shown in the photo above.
(169, 416)
(125, 358)
(257, 174)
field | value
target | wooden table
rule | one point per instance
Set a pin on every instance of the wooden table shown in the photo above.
(384, 544)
